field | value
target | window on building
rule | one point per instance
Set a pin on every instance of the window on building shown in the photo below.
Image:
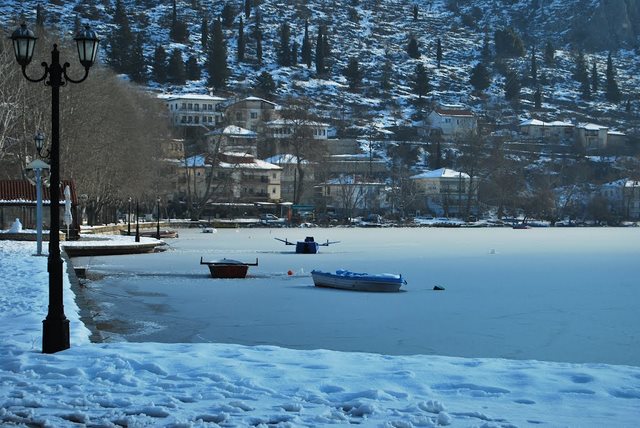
(190, 106)
(196, 119)
(184, 106)
(254, 115)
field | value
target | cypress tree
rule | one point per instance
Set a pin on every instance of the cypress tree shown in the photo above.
(537, 99)
(137, 64)
(612, 90)
(176, 73)
(549, 54)
(204, 33)
(122, 40)
(228, 14)
(217, 61)
(326, 47)
(594, 78)
(320, 52)
(306, 46)
(486, 49)
(353, 73)
(421, 83)
(534, 67)
(241, 41)
(192, 69)
(512, 85)
(284, 53)
(580, 73)
(438, 52)
(179, 32)
(413, 49)
(247, 9)
(415, 12)
(294, 53)
(480, 78)
(159, 65)
(259, 46)
(585, 89)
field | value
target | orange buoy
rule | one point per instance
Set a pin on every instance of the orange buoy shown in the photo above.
(289, 272)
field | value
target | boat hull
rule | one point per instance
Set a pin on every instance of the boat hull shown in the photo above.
(228, 271)
(307, 247)
(357, 283)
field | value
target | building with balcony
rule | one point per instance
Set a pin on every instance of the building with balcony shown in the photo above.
(194, 110)
(444, 192)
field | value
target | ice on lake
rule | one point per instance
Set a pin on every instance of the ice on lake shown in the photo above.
(545, 293)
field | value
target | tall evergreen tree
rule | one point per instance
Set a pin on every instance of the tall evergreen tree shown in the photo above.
(387, 74)
(421, 84)
(228, 15)
(549, 54)
(204, 33)
(241, 43)
(122, 40)
(580, 73)
(294, 53)
(306, 46)
(247, 9)
(415, 12)
(353, 73)
(265, 85)
(284, 52)
(485, 53)
(176, 72)
(138, 66)
(159, 65)
(39, 16)
(537, 99)
(585, 89)
(258, 36)
(217, 61)
(508, 43)
(480, 78)
(320, 52)
(534, 67)
(612, 91)
(512, 85)
(179, 32)
(438, 52)
(595, 80)
(192, 68)
(413, 49)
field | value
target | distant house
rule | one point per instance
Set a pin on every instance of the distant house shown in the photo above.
(539, 130)
(18, 200)
(237, 177)
(444, 191)
(623, 198)
(452, 121)
(289, 177)
(591, 136)
(234, 139)
(194, 110)
(350, 196)
(283, 129)
(251, 113)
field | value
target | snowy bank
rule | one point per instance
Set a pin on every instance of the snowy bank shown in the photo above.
(184, 385)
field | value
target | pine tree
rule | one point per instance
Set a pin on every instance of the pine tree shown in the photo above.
(421, 84)
(585, 89)
(204, 33)
(512, 85)
(179, 32)
(137, 64)
(122, 40)
(508, 43)
(159, 65)
(438, 52)
(284, 53)
(480, 78)
(176, 73)
(549, 54)
(294, 53)
(228, 14)
(534, 67)
(320, 52)
(241, 43)
(612, 90)
(353, 73)
(217, 61)
(486, 49)
(594, 78)
(580, 73)
(306, 46)
(265, 84)
(247, 9)
(415, 12)
(537, 99)
(258, 36)
(413, 48)
(386, 74)
(192, 69)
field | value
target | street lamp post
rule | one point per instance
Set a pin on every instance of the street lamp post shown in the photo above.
(38, 166)
(137, 224)
(129, 218)
(158, 222)
(55, 333)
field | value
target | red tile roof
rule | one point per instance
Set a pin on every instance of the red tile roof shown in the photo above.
(454, 112)
(21, 191)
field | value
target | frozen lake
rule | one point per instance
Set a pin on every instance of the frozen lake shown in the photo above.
(552, 294)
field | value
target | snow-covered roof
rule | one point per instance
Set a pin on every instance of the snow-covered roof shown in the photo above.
(235, 131)
(441, 173)
(199, 97)
(591, 127)
(536, 122)
(284, 122)
(453, 110)
(285, 158)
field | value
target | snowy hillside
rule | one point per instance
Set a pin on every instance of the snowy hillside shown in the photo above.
(375, 31)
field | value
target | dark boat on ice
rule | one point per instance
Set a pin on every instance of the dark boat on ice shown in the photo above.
(347, 280)
(308, 246)
(228, 268)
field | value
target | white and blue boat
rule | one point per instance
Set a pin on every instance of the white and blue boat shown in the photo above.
(347, 280)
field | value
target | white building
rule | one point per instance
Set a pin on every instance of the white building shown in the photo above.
(283, 129)
(444, 191)
(452, 121)
(194, 109)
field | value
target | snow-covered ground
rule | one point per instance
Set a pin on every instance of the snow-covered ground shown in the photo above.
(185, 385)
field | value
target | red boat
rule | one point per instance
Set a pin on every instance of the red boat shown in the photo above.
(228, 268)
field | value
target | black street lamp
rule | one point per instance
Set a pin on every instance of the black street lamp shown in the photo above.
(129, 218)
(55, 333)
(158, 222)
(137, 224)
